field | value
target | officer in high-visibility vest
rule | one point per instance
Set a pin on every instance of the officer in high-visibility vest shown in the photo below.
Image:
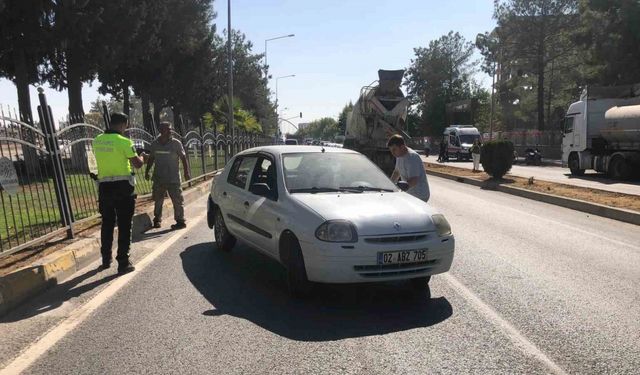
(115, 155)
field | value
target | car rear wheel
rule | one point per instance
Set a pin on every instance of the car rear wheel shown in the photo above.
(224, 240)
(297, 281)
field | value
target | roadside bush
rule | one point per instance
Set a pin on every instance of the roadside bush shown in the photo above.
(496, 158)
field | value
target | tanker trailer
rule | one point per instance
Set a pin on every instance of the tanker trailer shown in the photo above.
(602, 132)
(379, 113)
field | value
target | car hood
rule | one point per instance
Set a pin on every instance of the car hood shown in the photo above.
(373, 213)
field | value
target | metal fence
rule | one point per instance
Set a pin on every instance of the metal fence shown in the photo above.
(548, 142)
(45, 183)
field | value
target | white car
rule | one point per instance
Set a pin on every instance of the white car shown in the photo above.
(329, 215)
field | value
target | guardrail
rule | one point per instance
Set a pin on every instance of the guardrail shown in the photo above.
(45, 182)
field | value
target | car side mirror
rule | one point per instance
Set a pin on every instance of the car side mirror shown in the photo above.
(261, 189)
(403, 185)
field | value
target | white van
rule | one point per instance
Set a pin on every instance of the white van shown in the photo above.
(459, 139)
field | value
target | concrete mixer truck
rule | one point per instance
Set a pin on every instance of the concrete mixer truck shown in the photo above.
(380, 112)
(602, 132)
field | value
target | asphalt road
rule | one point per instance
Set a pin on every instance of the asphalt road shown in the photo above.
(534, 289)
(591, 179)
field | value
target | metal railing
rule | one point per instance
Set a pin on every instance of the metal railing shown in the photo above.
(549, 141)
(45, 182)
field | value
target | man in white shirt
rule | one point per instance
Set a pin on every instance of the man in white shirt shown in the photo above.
(409, 167)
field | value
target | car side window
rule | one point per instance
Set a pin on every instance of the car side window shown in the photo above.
(265, 173)
(241, 170)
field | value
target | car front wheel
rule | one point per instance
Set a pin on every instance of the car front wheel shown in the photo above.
(298, 283)
(421, 285)
(224, 240)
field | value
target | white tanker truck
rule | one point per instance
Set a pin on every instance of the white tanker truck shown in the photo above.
(380, 112)
(602, 132)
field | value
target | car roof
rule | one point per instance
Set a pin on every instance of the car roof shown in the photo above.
(280, 150)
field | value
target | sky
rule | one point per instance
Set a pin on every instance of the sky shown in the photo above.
(338, 47)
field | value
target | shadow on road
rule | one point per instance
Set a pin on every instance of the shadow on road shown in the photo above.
(55, 297)
(248, 285)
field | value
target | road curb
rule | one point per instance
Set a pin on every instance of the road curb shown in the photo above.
(20, 285)
(618, 214)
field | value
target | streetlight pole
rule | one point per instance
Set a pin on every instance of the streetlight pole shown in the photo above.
(230, 67)
(277, 79)
(265, 49)
(277, 113)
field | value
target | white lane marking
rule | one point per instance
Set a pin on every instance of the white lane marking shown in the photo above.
(571, 227)
(46, 342)
(511, 332)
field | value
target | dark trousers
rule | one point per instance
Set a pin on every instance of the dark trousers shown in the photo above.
(117, 202)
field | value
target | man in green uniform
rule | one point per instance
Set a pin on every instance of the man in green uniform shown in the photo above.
(166, 152)
(115, 155)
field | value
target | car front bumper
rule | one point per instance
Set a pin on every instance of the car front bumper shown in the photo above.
(333, 263)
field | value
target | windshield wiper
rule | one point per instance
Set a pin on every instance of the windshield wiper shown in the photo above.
(314, 190)
(367, 188)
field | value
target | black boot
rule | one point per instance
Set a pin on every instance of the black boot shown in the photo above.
(125, 268)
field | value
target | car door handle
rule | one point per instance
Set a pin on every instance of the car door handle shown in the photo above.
(246, 204)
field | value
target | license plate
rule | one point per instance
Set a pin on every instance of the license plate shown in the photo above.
(401, 257)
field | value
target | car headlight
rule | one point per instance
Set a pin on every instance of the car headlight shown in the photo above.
(337, 231)
(442, 225)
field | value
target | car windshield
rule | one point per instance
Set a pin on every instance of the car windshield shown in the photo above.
(468, 138)
(320, 172)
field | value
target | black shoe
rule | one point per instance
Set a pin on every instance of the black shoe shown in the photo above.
(106, 263)
(179, 226)
(126, 268)
(156, 224)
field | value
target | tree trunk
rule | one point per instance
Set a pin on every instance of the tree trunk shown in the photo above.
(146, 115)
(177, 119)
(156, 114)
(126, 105)
(76, 115)
(550, 94)
(30, 154)
(540, 88)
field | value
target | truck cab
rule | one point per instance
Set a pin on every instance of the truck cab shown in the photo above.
(574, 140)
(602, 132)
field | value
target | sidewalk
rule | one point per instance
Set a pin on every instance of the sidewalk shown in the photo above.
(77, 255)
(27, 322)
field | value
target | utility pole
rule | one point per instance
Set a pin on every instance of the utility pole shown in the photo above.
(230, 57)
(493, 85)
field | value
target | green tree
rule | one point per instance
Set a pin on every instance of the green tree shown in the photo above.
(440, 74)
(23, 26)
(250, 86)
(243, 119)
(343, 116)
(611, 34)
(535, 43)
(127, 44)
(325, 128)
